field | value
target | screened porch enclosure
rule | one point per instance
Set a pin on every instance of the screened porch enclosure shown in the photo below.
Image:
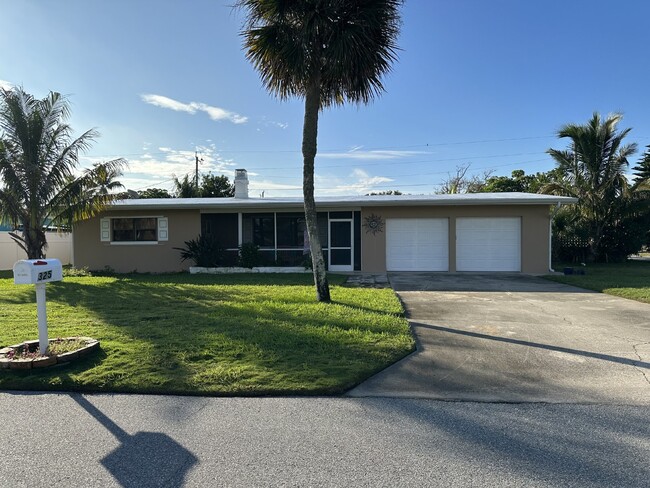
(282, 237)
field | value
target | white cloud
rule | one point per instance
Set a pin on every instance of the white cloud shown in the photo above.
(355, 153)
(157, 170)
(170, 103)
(266, 185)
(5, 85)
(359, 182)
(215, 113)
(273, 123)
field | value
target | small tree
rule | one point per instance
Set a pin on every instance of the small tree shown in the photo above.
(213, 186)
(185, 188)
(154, 193)
(461, 183)
(38, 159)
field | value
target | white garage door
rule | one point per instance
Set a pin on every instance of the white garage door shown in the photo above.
(417, 244)
(488, 244)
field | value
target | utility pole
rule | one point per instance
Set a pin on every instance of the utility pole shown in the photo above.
(196, 174)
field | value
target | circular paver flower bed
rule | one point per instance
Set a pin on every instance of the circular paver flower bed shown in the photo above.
(61, 350)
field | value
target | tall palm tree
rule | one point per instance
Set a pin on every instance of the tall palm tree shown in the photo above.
(593, 169)
(38, 159)
(328, 52)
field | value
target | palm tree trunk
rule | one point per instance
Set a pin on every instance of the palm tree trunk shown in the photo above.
(309, 145)
(34, 242)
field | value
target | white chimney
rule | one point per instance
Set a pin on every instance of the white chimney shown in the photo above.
(241, 183)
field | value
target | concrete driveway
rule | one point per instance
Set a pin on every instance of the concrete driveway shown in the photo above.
(517, 338)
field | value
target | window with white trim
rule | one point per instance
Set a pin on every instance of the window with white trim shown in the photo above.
(134, 229)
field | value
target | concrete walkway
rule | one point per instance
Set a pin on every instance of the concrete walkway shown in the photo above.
(516, 338)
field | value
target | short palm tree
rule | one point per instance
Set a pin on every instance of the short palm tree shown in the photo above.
(327, 52)
(38, 159)
(593, 170)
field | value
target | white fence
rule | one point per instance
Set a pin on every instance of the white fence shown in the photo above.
(59, 247)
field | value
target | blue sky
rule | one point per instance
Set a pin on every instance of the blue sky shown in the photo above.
(485, 83)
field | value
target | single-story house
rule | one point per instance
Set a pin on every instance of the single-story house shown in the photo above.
(374, 234)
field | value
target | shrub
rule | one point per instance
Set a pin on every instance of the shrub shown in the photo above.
(69, 271)
(204, 251)
(249, 255)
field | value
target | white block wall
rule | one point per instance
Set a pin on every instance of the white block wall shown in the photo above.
(59, 247)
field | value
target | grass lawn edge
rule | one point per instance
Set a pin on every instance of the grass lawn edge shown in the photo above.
(391, 314)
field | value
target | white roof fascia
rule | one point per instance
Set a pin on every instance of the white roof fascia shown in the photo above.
(208, 204)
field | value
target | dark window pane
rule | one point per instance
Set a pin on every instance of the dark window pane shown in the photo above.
(224, 228)
(122, 224)
(341, 234)
(291, 258)
(340, 215)
(146, 235)
(357, 241)
(341, 257)
(322, 229)
(123, 230)
(263, 231)
(145, 229)
(267, 258)
(291, 230)
(259, 229)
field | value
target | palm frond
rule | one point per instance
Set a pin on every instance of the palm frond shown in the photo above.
(348, 46)
(38, 158)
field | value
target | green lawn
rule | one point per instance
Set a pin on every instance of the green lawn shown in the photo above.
(208, 334)
(627, 280)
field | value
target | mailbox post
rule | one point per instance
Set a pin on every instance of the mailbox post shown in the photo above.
(39, 272)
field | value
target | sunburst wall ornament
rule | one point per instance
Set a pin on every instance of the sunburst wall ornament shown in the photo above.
(373, 223)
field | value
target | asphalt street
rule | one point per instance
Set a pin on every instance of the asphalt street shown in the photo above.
(75, 440)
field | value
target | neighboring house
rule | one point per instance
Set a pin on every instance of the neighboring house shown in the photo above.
(374, 234)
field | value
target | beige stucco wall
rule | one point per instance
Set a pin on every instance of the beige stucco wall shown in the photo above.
(534, 232)
(160, 257)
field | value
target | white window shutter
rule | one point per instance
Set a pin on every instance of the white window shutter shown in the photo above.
(105, 230)
(163, 229)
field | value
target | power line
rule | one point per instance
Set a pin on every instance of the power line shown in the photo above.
(381, 148)
(398, 162)
(519, 163)
(394, 184)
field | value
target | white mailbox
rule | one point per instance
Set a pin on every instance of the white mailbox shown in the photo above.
(34, 271)
(38, 272)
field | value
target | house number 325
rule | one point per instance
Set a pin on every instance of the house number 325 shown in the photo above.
(44, 275)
